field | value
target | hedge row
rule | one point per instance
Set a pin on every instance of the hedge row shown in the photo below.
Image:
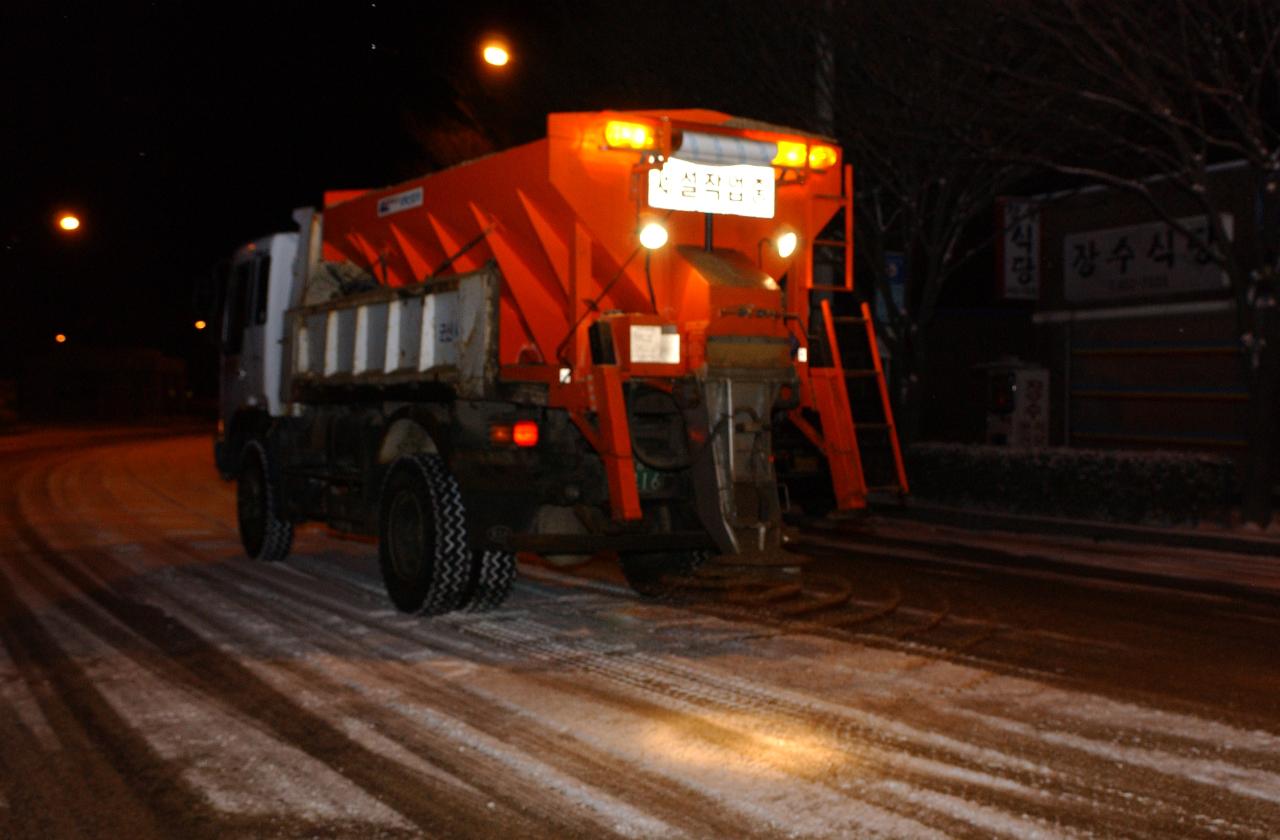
(1154, 487)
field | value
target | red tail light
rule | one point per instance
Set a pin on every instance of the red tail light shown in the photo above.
(525, 433)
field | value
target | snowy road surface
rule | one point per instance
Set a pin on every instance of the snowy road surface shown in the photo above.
(153, 683)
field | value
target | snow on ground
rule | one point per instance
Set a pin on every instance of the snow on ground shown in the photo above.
(575, 710)
(16, 695)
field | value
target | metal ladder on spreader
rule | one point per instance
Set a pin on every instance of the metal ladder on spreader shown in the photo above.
(847, 381)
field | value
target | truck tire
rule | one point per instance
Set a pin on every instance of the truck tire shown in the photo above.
(422, 537)
(495, 574)
(264, 532)
(656, 574)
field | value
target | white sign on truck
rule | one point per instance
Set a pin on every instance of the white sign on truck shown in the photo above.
(399, 202)
(739, 190)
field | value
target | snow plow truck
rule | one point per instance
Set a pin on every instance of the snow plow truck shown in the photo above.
(585, 344)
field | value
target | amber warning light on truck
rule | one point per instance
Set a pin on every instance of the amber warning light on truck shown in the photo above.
(619, 134)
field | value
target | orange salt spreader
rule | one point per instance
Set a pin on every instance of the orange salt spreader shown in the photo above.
(657, 285)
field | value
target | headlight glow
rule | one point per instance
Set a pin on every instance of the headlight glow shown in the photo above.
(786, 244)
(653, 236)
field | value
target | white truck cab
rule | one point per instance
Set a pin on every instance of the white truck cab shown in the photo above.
(257, 291)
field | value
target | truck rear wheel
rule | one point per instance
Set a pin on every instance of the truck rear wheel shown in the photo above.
(495, 574)
(422, 545)
(264, 532)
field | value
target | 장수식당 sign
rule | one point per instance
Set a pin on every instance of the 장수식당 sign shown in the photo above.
(1152, 259)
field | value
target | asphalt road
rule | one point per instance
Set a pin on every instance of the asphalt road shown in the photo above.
(923, 683)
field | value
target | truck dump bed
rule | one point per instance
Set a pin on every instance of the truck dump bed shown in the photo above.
(444, 331)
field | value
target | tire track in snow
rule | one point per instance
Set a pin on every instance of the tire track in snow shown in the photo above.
(190, 660)
(703, 689)
(590, 654)
(101, 752)
(897, 822)
(284, 616)
(17, 694)
(230, 764)
(223, 617)
(736, 721)
(911, 697)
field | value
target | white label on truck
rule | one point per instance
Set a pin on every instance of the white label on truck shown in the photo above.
(739, 190)
(652, 344)
(440, 331)
(406, 200)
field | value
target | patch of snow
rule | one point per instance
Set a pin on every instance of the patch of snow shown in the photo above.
(743, 778)
(1174, 725)
(236, 766)
(1243, 781)
(15, 692)
(624, 819)
(373, 740)
(988, 819)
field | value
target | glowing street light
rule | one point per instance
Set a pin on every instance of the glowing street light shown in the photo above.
(495, 54)
(60, 338)
(201, 325)
(69, 222)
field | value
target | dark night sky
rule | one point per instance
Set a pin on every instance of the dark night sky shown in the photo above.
(177, 130)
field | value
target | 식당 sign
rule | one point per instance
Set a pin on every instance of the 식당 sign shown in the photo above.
(737, 190)
(1019, 250)
(1144, 260)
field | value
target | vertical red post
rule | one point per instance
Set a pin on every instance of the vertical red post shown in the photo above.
(885, 405)
(615, 434)
(848, 226)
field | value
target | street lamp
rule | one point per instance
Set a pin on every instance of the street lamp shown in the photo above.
(201, 325)
(69, 222)
(495, 54)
